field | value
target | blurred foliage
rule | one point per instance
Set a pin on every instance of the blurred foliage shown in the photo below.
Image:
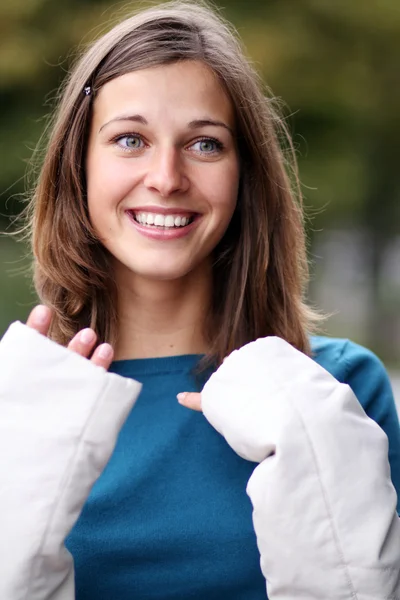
(335, 64)
(17, 296)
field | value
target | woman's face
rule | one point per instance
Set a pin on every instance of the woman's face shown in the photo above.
(162, 168)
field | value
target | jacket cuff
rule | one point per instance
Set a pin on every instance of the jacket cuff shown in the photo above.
(245, 399)
(60, 416)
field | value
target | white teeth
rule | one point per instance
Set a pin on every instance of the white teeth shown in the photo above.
(169, 221)
(160, 220)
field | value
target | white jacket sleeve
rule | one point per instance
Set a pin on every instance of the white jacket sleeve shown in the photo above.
(324, 507)
(60, 416)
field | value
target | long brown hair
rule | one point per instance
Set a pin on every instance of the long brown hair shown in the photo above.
(260, 266)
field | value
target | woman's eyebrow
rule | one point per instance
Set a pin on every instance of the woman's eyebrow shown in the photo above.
(195, 124)
(135, 118)
(198, 123)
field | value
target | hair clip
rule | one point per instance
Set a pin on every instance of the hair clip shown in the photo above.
(87, 90)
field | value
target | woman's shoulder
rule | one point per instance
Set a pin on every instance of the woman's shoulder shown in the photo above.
(357, 366)
(353, 364)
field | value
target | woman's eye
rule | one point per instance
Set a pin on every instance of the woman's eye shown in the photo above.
(207, 146)
(130, 142)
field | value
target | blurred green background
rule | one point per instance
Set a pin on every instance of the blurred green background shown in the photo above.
(335, 65)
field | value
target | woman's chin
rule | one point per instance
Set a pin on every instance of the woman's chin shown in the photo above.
(160, 270)
(155, 273)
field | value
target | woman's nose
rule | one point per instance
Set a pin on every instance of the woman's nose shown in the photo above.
(166, 174)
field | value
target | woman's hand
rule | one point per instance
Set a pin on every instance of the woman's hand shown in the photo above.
(82, 343)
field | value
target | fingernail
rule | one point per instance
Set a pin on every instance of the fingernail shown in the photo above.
(181, 397)
(40, 314)
(87, 336)
(105, 351)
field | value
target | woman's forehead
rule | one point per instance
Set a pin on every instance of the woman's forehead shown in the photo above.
(183, 91)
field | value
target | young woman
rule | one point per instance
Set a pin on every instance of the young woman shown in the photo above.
(167, 236)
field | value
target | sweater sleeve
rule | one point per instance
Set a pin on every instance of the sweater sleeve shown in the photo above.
(324, 507)
(60, 416)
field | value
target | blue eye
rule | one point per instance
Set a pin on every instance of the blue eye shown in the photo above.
(207, 146)
(130, 142)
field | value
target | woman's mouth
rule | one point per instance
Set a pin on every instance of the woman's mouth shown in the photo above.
(164, 226)
(162, 221)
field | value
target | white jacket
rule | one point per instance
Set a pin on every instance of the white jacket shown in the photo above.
(324, 505)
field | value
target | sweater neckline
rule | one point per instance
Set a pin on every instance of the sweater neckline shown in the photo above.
(157, 365)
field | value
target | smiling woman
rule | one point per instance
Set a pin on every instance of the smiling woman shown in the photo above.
(165, 111)
(170, 258)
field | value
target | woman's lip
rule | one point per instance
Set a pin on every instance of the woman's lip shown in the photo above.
(162, 233)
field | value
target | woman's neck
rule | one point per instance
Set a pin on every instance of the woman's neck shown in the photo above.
(162, 318)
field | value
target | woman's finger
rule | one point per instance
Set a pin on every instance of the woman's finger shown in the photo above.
(102, 356)
(40, 319)
(83, 342)
(190, 400)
